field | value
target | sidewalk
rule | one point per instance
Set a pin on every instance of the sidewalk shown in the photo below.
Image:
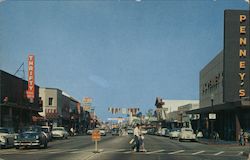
(224, 143)
(218, 142)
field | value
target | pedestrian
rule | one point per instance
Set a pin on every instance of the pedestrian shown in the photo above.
(241, 138)
(136, 137)
(245, 136)
(72, 131)
(142, 146)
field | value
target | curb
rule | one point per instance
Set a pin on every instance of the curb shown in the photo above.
(215, 143)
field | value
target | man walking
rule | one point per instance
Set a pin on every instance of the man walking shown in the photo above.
(137, 136)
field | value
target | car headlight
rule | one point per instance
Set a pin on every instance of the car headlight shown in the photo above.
(37, 136)
(2, 138)
(16, 137)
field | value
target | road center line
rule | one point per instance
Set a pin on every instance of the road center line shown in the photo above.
(198, 152)
(157, 151)
(216, 154)
(176, 152)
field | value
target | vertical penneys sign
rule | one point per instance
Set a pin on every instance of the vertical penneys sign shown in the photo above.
(236, 64)
(242, 54)
(31, 77)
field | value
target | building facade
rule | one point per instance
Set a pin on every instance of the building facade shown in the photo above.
(16, 110)
(52, 105)
(167, 109)
(61, 109)
(224, 82)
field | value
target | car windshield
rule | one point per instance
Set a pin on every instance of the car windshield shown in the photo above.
(45, 130)
(28, 135)
(188, 130)
(175, 130)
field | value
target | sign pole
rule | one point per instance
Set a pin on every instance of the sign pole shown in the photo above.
(96, 137)
(96, 149)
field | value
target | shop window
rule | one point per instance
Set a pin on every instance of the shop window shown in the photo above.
(50, 101)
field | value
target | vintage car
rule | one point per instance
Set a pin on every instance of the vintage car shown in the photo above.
(59, 132)
(115, 132)
(102, 132)
(174, 133)
(89, 132)
(31, 136)
(6, 137)
(47, 131)
(187, 134)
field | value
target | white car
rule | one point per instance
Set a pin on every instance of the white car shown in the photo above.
(59, 132)
(102, 132)
(187, 134)
(47, 131)
(130, 131)
(6, 137)
(174, 133)
(164, 132)
(143, 131)
(89, 132)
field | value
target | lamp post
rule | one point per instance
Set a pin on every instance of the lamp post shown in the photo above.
(212, 102)
(212, 107)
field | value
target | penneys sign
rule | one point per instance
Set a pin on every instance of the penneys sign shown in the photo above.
(31, 77)
(236, 77)
(242, 54)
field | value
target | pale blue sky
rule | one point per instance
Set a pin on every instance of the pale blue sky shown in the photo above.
(121, 53)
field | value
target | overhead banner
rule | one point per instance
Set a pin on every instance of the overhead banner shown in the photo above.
(31, 77)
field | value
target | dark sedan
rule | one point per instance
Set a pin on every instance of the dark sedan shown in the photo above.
(31, 138)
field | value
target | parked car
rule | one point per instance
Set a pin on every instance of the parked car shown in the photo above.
(143, 131)
(59, 132)
(174, 133)
(130, 131)
(31, 136)
(167, 132)
(89, 132)
(102, 132)
(115, 132)
(187, 134)
(6, 137)
(47, 131)
(164, 131)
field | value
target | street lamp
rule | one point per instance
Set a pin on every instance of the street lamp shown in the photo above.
(212, 114)
(212, 102)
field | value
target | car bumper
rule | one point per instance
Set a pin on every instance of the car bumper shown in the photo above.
(26, 143)
(57, 136)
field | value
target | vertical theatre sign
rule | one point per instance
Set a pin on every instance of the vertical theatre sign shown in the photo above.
(31, 77)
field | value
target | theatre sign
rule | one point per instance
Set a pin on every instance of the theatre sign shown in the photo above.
(236, 55)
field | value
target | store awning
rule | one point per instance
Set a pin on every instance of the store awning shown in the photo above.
(221, 107)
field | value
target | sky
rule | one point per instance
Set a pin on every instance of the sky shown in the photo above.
(121, 53)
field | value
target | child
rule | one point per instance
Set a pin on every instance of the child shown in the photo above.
(142, 147)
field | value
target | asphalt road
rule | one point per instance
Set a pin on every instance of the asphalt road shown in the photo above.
(117, 148)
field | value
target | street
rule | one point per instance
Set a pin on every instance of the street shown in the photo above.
(117, 147)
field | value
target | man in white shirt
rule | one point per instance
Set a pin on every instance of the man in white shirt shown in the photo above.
(137, 135)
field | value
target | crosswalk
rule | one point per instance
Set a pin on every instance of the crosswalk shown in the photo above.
(124, 151)
(189, 152)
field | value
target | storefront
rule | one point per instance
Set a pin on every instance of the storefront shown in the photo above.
(16, 110)
(225, 82)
